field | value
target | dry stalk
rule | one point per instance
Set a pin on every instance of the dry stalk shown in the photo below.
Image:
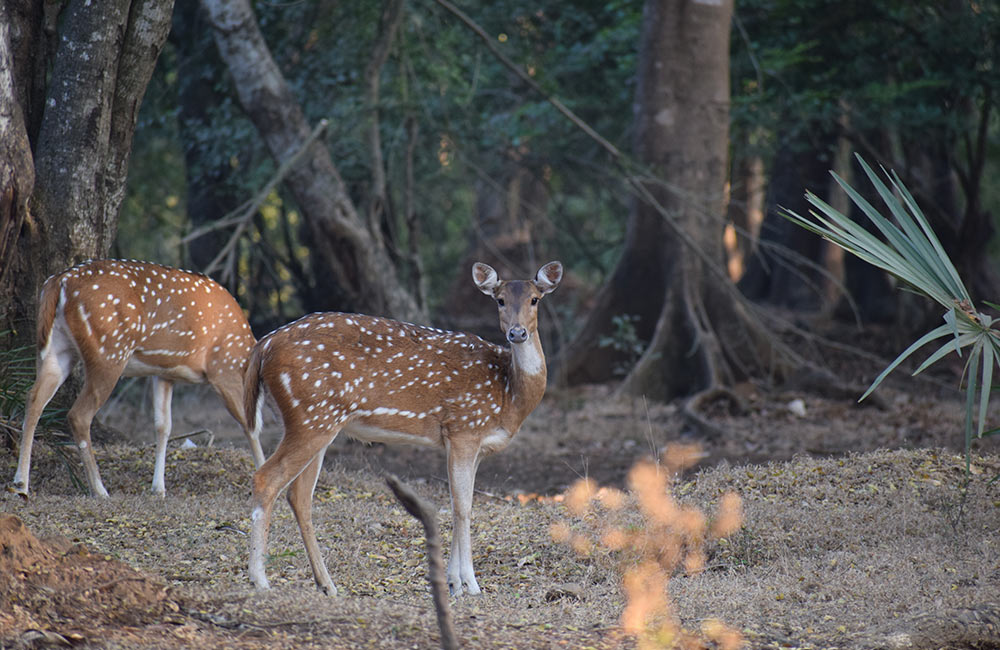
(436, 572)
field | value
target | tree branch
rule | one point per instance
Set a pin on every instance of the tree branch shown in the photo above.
(392, 15)
(526, 78)
(241, 216)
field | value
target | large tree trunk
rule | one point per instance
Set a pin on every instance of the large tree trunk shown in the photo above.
(673, 276)
(507, 232)
(79, 72)
(341, 239)
(786, 269)
(197, 97)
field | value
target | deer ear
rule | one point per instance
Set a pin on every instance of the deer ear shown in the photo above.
(548, 277)
(485, 277)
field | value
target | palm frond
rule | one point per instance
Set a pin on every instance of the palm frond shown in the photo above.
(906, 247)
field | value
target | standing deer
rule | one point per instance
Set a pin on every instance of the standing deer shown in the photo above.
(134, 319)
(381, 380)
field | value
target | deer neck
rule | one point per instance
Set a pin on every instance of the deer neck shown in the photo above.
(527, 376)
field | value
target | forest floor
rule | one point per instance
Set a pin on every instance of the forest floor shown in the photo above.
(861, 529)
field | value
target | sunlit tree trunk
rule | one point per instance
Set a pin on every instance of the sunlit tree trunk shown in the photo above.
(700, 333)
(352, 252)
(78, 71)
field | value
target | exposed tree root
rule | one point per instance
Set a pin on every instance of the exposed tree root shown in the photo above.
(694, 407)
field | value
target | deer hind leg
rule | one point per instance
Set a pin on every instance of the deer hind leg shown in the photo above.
(54, 365)
(231, 393)
(300, 494)
(298, 448)
(163, 390)
(97, 387)
(462, 464)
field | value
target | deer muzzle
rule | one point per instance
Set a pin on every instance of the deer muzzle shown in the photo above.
(517, 334)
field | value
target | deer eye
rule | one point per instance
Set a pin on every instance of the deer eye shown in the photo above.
(534, 301)
(500, 301)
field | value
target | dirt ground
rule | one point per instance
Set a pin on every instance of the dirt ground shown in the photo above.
(859, 531)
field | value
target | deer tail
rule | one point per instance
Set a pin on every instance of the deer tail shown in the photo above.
(253, 398)
(48, 306)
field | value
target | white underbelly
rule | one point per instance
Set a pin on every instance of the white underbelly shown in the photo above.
(388, 436)
(495, 441)
(137, 368)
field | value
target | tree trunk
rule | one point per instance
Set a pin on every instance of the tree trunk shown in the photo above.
(79, 119)
(197, 69)
(785, 271)
(505, 233)
(673, 276)
(341, 239)
(17, 176)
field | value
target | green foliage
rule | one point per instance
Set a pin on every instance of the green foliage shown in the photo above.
(912, 253)
(914, 67)
(17, 373)
(474, 123)
(624, 338)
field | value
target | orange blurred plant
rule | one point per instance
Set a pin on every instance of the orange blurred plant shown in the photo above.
(672, 536)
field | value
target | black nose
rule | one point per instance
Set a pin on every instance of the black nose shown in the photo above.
(517, 334)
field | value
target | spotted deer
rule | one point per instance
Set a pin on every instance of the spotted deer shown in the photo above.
(134, 319)
(381, 380)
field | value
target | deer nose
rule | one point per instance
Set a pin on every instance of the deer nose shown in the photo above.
(517, 334)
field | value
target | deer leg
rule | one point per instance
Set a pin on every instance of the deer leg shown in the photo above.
(462, 462)
(53, 368)
(97, 387)
(162, 392)
(231, 394)
(297, 449)
(300, 494)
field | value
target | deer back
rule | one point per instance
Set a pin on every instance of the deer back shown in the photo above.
(149, 318)
(384, 380)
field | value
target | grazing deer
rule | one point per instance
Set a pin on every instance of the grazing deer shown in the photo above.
(380, 380)
(134, 319)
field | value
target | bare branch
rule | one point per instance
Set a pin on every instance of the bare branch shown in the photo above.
(241, 216)
(526, 78)
(410, 215)
(392, 15)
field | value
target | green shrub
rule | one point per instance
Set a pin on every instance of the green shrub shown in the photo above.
(912, 253)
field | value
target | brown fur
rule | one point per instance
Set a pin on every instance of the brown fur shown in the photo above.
(48, 302)
(251, 386)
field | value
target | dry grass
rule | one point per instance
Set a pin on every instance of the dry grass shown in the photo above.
(843, 551)
(833, 553)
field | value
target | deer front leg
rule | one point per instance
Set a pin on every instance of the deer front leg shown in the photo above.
(162, 393)
(462, 462)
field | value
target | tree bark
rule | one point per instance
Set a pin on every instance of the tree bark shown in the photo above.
(79, 120)
(672, 273)
(785, 270)
(341, 239)
(197, 69)
(17, 176)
